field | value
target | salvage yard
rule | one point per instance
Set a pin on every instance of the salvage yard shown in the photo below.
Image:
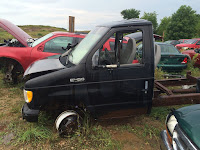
(138, 132)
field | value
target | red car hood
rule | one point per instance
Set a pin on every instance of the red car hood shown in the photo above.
(17, 32)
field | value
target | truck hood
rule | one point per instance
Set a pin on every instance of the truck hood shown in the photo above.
(51, 63)
(15, 31)
(189, 121)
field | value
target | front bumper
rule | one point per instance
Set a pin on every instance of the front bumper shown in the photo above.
(31, 115)
(164, 141)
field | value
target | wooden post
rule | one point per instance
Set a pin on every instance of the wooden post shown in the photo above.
(71, 23)
(163, 36)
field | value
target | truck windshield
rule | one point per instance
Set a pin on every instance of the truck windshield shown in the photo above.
(87, 44)
(38, 41)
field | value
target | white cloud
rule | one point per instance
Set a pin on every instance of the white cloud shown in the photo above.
(88, 13)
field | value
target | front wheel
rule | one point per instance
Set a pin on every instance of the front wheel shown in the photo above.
(13, 72)
(67, 123)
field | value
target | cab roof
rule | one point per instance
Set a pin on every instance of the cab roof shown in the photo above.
(123, 23)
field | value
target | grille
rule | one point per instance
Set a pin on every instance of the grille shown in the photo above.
(181, 141)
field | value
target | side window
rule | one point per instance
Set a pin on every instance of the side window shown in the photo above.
(122, 48)
(198, 43)
(57, 44)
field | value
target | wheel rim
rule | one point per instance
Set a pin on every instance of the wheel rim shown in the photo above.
(9, 73)
(68, 126)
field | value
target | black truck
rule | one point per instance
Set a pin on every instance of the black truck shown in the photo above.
(103, 75)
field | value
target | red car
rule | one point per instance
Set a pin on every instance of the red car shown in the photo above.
(189, 44)
(183, 40)
(17, 54)
(193, 53)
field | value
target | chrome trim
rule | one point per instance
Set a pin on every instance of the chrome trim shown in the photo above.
(165, 144)
(185, 139)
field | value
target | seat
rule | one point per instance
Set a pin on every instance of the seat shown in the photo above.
(127, 56)
(157, 55)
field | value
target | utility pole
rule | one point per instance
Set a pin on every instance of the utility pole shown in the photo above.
(71, 23)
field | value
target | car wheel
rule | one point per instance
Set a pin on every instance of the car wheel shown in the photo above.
(12, 73)
(67, 123)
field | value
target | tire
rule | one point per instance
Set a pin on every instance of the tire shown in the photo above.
(13, 72)
(67, 123)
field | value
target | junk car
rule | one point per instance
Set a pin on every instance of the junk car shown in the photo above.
(17, 54)
(190, 44)
(194, 54)
(171, 59)
(91, 78)
(182, 129)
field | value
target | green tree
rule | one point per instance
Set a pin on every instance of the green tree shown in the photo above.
(197, 34)
(183, 24)
(151, 17)
(130, 13)
(163, 25)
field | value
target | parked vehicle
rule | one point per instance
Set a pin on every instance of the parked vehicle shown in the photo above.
(194, 54)
(190, 44)
(91, 78)
(171, 58)
(182, 129)
(183, 40)
(17, 54)
(173, 42)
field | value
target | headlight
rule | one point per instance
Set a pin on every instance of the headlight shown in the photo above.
(185, 48)
(28, 95)
(171, 123)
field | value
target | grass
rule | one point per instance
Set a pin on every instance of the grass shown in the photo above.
(140, 132)
(35, 31)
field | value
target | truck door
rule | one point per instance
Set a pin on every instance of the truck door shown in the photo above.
(122, 77)
(102, 80)
(135, 71)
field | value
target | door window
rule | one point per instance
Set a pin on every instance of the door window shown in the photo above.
(58, 44)
(198, 43)
(121, 49)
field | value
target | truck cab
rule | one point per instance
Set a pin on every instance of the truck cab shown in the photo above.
(93, 78)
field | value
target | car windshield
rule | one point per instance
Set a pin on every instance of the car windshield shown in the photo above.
(168, 42)
(191, 41)
(78, 53)
(168, 49)
(38, 41)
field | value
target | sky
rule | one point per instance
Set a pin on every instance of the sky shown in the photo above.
(87, 13)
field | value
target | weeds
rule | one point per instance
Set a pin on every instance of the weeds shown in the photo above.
(159, 74)
(34, 134)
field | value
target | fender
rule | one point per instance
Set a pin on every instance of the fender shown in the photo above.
(3, 58)
(16, 54)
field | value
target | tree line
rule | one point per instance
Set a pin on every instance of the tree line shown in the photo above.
(183, 24)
